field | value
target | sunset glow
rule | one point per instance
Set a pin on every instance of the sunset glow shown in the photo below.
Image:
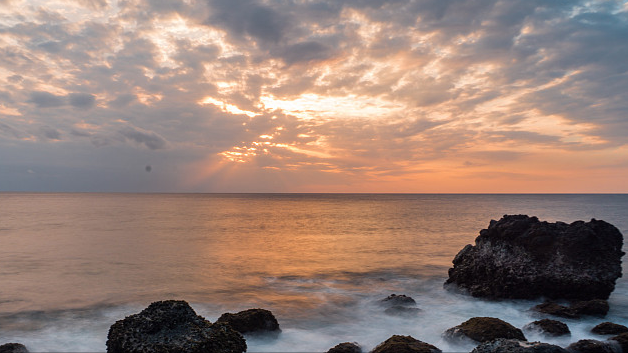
(323, 96)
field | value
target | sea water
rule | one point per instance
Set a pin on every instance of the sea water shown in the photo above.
(73, 264)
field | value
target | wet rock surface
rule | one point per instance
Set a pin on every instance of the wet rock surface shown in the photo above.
(251, 321)
(13, 348)
(484, 329)
(622, 341)
(592, 346)
(594, 307)
(346, 347)
(398, 300)
(404, 344)
(522, 257)
(609, 328)
(172, 326)
(549, 327)
(515, 346)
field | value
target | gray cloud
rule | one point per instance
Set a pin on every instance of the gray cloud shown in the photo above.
(147, 138)
(46, 100)
(82, 100)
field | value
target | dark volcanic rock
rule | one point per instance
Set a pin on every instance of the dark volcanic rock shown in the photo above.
(13, 348)
(346, 347)
(609, 328)
(485, 329)
(594, 307)
(549, 327)
(404, 344)
(591, 346)
(521, 257)
(555, 309)
(172, 326)
(622, 341)
(514, 346)
(398, 300)
(402, 311)
(251, 321)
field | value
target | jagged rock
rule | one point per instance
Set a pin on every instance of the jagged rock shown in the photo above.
(346, 347)
(172, 326)
(398, 300)
(514, 346)
(402, 311)
(594, 307)
(549, 327)
(13, 348)
(484, 329)
(591, 346)
(404, 344)
(609, 328)
(521, 257)
(252, 321)
(622, 340)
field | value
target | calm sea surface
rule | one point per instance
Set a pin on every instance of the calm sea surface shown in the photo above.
(73, 264)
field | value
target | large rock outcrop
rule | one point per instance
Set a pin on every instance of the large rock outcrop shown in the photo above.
(522, 258)
(172, 326)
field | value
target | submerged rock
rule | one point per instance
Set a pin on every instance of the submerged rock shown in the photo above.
(403, 311)
(592, 346)
(404, 344)
(609, 328)
(172, 326)
(594, 307)
(521, 257)
(251, 321)
(549, 327)
(514, 346)
(346, 347)
(13, 348)
(621, 340)
(398, 300)
(484, 329)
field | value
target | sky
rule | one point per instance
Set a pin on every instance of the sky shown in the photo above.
(409, 96)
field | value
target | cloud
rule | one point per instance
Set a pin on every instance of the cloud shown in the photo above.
(46, 100)
(82, 100)
(147, 138)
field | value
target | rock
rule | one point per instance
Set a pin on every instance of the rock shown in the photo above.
(514, 346)
(594, 307)
(523, 258)
(172, 326)
(398, 300)
(621, 340)
(404, 344)
(484, 329)
(555, 309)
(549, 327)
(402, 311)
(591, 346)
(251, 321)
(13, 348)
(609, 328)
(346, 347)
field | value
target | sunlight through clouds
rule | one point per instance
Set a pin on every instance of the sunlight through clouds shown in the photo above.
(347, 95)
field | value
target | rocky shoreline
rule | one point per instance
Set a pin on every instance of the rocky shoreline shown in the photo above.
(572, 268)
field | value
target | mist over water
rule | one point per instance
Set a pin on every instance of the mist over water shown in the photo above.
(73, 264)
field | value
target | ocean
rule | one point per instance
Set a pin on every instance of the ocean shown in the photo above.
(73, 264)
